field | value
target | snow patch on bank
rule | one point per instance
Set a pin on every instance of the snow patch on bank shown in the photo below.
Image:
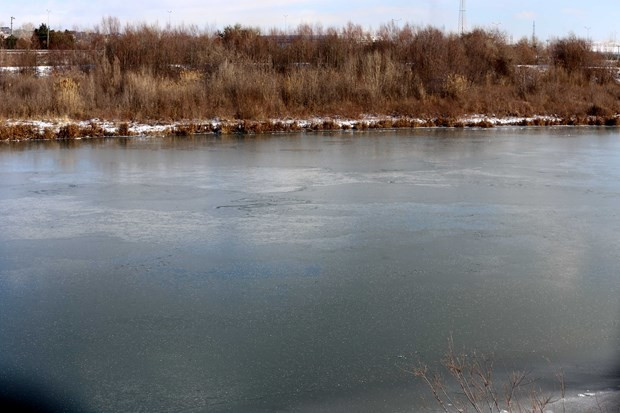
(97, 127)
(40, 71)
(508, 120)
(587, 401)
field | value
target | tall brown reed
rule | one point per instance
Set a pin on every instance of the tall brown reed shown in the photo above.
(143, 72)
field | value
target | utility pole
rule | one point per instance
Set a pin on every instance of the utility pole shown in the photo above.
(169, 17)
(285, 27)
(48, 29)
(12, 18)
(534, 40)
(588, 31)
(394, 28)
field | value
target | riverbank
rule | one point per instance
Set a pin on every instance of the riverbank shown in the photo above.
(61, 129)
(239, 80)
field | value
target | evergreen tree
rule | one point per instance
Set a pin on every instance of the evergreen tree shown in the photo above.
(40, 36)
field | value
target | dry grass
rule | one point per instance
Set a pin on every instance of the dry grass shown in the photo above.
(148, 74)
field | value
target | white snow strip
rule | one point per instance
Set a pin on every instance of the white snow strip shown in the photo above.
(41, 71)
(146, 129)
(509, 120)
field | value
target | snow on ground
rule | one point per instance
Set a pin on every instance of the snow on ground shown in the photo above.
(41, 71)
(110, 127)
(117, 128)
(144, 129)
(588, 401)
(508, 120)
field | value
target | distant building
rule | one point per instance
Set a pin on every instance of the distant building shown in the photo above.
(79, 36)
(611, 47)
(5, 31)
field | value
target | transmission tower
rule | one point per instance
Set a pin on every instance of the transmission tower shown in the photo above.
(462, 17)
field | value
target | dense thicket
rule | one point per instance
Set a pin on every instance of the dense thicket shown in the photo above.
(143, 72)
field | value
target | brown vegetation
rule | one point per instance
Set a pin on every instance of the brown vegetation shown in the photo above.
(471, 385)
(142, 73)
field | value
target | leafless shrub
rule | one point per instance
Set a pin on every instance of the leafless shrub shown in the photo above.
(597, 110)
(18, 132)
(455, 86)
(185, 129)
(404, 123)
(384, 124)
(123, 129)
(573, 54)
(93, 130)
(141, 72)
(70, 131)
(485, 124)
(48, 134)
(525, 52)
(468, 383)
(527, 80)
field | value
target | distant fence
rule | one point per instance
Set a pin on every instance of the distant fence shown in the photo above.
(36, 57)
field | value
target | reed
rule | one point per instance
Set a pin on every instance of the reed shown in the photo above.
(144, 73)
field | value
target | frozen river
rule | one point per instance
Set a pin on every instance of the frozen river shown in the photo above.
(306, 272)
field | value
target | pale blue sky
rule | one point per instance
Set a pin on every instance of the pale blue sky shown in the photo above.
(553, 18)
